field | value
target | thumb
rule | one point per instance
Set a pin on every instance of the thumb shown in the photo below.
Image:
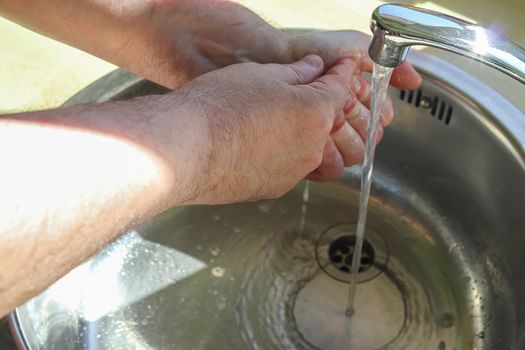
(301, 72)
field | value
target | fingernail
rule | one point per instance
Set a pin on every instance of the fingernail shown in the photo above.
(313, 61)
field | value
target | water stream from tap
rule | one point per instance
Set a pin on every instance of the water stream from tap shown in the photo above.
(380, 80)
(304, 208)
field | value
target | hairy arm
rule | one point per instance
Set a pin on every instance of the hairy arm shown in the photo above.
(73, 179)
(173, 41)
(167, 41)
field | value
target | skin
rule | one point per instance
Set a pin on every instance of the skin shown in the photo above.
(232, 130)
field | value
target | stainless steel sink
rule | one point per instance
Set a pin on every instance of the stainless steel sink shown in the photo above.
(444, 262)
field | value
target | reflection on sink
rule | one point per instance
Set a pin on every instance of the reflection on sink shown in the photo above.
(109, 284)
(445, 248)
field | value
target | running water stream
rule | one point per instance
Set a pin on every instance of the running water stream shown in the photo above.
(380, 80)
(304, 208)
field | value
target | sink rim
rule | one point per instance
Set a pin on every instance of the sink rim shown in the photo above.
(510, 119)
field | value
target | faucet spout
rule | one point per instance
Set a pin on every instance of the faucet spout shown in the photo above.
(397, 27)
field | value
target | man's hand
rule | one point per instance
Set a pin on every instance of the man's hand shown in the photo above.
(331, 46)
(74, 178)
(241, 133)
(271, 125)
(173, 41)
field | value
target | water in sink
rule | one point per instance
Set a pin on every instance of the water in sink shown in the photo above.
(441, 238)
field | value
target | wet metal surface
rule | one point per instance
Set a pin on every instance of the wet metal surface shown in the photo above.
(447, 203)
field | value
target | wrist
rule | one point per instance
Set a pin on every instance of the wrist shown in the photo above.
(184, 142)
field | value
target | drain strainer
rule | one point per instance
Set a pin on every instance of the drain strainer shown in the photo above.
(342, 250)
(336, 247)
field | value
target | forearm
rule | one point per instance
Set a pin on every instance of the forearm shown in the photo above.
(73, 179)
(167, 41)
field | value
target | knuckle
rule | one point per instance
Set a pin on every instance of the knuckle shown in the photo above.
(317, 158)
(317, 117)
(319, 124)
(310, 162)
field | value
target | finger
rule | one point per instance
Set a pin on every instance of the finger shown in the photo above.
(338, 122)
(349, 144)
(387, 114)
(346, 67)
(333, 45)
(332, 165)
(380, 134)
(335, 85)
(405, 77)
(362, 89)
(358, 116)
(363, 92)
(301, 72)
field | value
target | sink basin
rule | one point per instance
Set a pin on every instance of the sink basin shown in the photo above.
(444, 251)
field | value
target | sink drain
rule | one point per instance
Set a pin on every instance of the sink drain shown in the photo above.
(335, 251)
(341, 253)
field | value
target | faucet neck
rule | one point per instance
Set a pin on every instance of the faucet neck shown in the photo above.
(396, 27)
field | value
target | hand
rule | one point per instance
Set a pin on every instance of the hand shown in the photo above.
(270, 125)
(172, 42)
(332, 46)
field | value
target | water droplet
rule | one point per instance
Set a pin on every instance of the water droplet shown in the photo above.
(237, 230)
(199, 247)
(481, 335)
(264, 207)
(216, 217)
(222, 302)
(215, 250)
(218, 271)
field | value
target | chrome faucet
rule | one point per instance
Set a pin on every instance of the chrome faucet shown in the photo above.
(396, 27)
